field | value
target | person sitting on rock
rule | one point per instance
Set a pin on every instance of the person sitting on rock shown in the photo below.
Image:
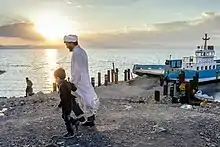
(68, 103)
(29, 89)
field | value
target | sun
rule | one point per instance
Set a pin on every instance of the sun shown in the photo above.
(53, 27)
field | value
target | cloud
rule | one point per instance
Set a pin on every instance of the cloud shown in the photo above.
(21, 30)
(173, 33)
(97, 3)
(185, 32)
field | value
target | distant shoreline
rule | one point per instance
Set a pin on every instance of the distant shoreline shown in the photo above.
(29, 47)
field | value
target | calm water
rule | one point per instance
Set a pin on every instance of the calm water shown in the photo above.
(39, 65)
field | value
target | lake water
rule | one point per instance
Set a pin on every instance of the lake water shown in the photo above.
(39, 65)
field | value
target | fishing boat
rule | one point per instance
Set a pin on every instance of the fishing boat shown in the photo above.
(202, 63)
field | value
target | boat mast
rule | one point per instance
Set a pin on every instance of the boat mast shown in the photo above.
(206, 39)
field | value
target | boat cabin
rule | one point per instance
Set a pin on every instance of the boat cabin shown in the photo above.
(203, 59)
(173, 63)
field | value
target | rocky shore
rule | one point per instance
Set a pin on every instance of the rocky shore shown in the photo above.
(128, 116)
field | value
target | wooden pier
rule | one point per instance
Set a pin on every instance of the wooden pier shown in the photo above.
(181, 91)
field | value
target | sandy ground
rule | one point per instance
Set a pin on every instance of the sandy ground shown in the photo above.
(128, 117)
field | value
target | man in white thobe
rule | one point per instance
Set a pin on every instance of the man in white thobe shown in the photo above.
(80, 77)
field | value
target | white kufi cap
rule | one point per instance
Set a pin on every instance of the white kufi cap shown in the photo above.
(70, 38)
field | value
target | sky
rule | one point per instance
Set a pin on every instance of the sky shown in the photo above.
(110, 23)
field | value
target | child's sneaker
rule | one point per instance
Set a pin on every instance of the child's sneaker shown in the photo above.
(75, 123)
(68, 135)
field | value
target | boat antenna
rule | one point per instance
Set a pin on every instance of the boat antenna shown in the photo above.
(206, 39)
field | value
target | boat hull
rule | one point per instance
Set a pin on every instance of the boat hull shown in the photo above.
(149, 70)
(205, 76)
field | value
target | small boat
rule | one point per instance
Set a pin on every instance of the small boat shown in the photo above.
(2, 71)
(199, 95)
(202, 63)
(149, 70)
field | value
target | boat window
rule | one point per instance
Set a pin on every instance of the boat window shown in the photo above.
(206, 67)
(173, 64)
(202, 68)
(210, 67)
(179, 63)
(213, 66)
(198, 68)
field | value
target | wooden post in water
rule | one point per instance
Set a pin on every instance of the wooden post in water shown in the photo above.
(125, 75)
(106, 80)
(116, 70)
(54, 87)
(129, 74)
(99, 79)
(112, 73)
(113, 66)
(108, 73)
(116, 77)
(93, 81)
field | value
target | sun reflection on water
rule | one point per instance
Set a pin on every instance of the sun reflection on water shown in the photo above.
(51, 59)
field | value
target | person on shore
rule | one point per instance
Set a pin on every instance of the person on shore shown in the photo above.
(80, 77)
(29, 89)
(68, 103)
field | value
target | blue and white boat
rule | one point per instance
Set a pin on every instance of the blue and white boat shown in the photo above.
(202, 62)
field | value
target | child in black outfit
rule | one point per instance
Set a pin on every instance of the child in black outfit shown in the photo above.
(68, 102)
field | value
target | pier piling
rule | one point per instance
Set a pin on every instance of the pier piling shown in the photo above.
(106, 80)
(129, 74)
(108, 73)
(99, 79)
(116, 76)
(93, 81)
(125, 75)
(112, 75)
